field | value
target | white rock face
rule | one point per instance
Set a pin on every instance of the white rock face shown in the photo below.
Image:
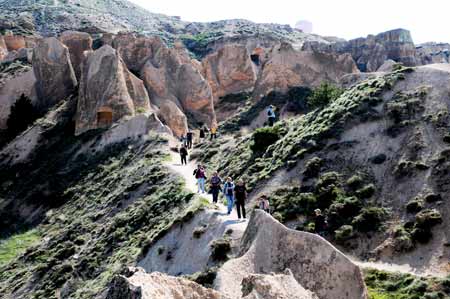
(274, 286)
(268, 246)
(158, 286)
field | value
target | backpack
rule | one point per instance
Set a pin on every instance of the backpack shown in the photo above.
(269, 112)
(215, 181)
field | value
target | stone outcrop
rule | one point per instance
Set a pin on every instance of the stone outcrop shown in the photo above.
(387, 66)
(55, 77)
(230, 70)
(136, 50)
(429, 53)
(288, 68)
(274, 286)
(108, 91)
(169, 75)
(372, 51)
(78, 43)
(268, 246)
(140, 285)
(14, 42)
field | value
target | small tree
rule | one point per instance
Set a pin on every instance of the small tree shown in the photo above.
(324, 94)
(21, 116)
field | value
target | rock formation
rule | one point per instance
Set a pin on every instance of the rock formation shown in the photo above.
(170, 76)
(55, 77)
(274, 286)
(78, 43)
(157, 285)
(433, 53)
(268, 246)
(108, 91)
(288, 68)
(371, 52)
(136, 50)
(14, 42)
(230, 70)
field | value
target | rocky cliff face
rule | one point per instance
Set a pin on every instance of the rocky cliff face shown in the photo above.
(108, 91)
(55, 77)
(371, 52)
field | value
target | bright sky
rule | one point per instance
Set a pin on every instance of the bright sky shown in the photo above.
(428, 20)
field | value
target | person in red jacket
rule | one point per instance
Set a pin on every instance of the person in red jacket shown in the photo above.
(200, 175)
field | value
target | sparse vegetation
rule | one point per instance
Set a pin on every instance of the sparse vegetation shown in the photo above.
(220, 249)
(323, 95)
(384, 285)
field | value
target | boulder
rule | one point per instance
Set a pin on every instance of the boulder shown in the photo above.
(136, 50)
(157, 285)
(108, 91)
(14, 42)
(274, 286)
(387, 66)
(173, 117)
(229, 70)
(169, 75)
(78, 43)
(288, 68)
(268, 246)
(55, 77)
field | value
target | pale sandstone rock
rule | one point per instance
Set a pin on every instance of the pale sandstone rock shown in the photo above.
(274, 286)
(169, 75)
(229, 70)
(387, 66)
(78, 43)
(55, 77)
(173, 117)
(136, 50)
(268, 246)
(288, 67)
(157, 285)
(14, 42)
(108, 91)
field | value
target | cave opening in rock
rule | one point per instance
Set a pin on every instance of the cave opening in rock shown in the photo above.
(255, 58)
(104, 117)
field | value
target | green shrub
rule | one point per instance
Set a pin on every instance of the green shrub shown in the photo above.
(312, 167)
(366, 191)
(369, 219)
(263, 138)
(344, 233)
(354, 182)
(414, 205)
(421, 235)
(342, 210)
(402, 239)
(432, 197)
(220, 249)
(428, 218)
(199, 231)
(323, 95)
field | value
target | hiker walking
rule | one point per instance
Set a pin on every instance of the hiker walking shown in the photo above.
(189, 137)
(183, 140)
(202, 133)
(264, 203)
(213, 132)
(240, 195)
(228, 190)
(183, 154)
(200, 175)
(320, 222)
(271, 115)
(215, 187)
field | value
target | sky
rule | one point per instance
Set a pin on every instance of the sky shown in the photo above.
(428, 20)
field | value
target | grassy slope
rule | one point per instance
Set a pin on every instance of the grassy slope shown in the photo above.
(16, 245)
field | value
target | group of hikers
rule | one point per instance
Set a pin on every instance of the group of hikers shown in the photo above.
(186, 141)
(235, 193)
